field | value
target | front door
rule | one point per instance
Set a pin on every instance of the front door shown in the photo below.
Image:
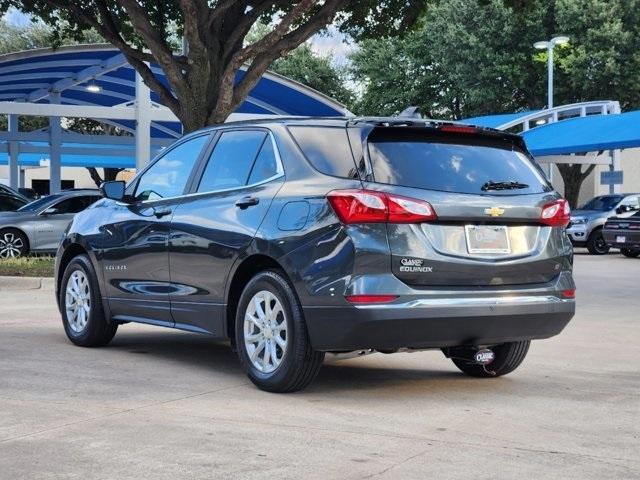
(135, 240)
(54, 220)
(218, 222)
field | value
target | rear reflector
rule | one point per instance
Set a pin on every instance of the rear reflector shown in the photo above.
(370, 298)
(370, 206)
(556, 214)
(570, 293)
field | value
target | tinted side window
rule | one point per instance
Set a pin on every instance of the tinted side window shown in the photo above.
(9, 203)
(266, 165)
(327, 148)
(75, 204)
(231, 160)
(168, 176)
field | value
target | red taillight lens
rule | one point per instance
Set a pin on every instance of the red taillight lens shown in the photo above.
(370, 298)
(569, 293)
(368, 206)
(556, 214)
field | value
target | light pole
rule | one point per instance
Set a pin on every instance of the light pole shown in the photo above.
(549, 45)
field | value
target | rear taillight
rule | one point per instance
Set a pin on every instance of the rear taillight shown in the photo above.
(369, 206)
(569, 293)
(556, 214)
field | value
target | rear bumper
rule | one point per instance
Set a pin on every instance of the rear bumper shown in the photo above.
(439, 322)
(631, 238)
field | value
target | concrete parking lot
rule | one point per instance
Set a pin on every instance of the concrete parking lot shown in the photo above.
(162, 404)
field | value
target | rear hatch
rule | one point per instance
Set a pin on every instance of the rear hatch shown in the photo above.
(488, 196)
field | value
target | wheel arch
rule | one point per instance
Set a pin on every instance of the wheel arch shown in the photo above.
(245, 271)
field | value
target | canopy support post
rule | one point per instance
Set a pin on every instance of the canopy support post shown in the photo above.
(143, 123)
(55, 147)
(14, 152)
(616, 165)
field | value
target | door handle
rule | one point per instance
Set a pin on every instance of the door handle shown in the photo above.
(247, 202)
(161, 212)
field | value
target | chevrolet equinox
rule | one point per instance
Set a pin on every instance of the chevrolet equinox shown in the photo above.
(294, 237)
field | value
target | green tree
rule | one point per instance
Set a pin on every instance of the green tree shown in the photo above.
(202, 87)
(315, 71)
(475, 57)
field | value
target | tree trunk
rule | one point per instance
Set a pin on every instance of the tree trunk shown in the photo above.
(110, 174)
(573, 176)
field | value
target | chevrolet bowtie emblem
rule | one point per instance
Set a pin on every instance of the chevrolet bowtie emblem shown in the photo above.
(494, 211)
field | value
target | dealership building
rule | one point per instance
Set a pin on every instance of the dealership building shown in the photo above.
(95, 82)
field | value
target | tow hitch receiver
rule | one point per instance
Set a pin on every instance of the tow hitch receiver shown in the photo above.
(484, 357)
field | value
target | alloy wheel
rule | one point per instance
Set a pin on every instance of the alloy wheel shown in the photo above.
(265, 331)
(78, 301)
(11, 245)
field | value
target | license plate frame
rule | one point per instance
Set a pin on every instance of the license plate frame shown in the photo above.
(487, 239)
(621, 239)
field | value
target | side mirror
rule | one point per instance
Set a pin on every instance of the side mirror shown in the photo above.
(51, 211)
(623, 209)
(113, 190)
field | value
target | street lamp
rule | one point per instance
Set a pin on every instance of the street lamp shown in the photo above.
(560, 40)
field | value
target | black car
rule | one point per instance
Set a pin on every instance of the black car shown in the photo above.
(11, 203)
(624, 233)
(295, 237)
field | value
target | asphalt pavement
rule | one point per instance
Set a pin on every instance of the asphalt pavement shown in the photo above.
(163, 404)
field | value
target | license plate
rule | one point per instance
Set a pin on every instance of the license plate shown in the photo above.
(621, 239)
(487, 239)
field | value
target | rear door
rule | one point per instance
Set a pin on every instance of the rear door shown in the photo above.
(487, 226)
(217, 222)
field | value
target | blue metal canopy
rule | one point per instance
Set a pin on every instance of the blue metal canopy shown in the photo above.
(585, 134)
(99, 75)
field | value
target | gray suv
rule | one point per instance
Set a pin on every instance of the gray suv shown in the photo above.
(585, 228)
(294, 237)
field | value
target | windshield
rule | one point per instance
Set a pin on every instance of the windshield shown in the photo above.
(452, 164)
(38, 204)
(603, 203)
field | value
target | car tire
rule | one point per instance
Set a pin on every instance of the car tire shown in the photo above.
(13, 243)
(80, 301)
(630, 253)
(269, 318)
(596, 244)
(508, 356)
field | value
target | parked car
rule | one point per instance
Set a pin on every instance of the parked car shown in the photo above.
(624, 233)
(296, 237)
(11, 203)
(38, 226)
(7, 190)
(27, 193)
(585, 228)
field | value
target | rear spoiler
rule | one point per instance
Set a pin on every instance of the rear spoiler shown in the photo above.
(439, 126)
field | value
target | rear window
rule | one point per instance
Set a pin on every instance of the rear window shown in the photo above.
(327, 148)
(451, 163)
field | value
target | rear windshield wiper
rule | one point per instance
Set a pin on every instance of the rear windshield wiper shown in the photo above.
(491, 185)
